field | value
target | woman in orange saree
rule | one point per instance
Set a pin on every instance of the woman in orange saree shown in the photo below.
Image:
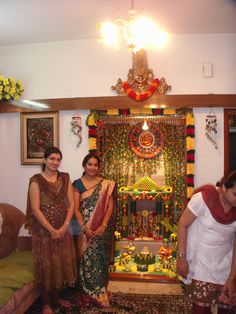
(93, 209)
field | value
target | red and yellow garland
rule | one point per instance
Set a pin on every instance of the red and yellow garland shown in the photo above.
(93, 122)
(141, 96)
(190, 150)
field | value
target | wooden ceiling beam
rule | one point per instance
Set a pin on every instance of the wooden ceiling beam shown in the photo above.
(121, 102)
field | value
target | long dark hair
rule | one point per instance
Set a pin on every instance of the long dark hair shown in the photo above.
(229, 181)
(48, 152)
(88, 157)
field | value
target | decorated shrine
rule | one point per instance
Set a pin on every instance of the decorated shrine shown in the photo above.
(153, 169)
(149, 153)
(147, 244)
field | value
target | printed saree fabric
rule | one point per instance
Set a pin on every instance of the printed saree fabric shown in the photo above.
(54, 260)
(94, 254)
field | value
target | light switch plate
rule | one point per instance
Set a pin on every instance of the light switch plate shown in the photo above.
(207, 69)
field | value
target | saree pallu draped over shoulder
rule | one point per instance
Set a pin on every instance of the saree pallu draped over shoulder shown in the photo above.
(93, 254)
(98, 213)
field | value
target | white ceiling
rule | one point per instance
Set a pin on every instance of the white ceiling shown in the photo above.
(34, 21)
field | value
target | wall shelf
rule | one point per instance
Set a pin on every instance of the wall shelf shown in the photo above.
(123, 102)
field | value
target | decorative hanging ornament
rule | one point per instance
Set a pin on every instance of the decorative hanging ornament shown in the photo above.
(146, 144)
(211, 128)
(76, 128)
(141, 84)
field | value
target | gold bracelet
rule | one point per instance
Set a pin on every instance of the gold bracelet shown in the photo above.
(105, 225)
(67, 223)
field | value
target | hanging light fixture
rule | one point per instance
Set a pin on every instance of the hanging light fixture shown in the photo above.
(135, 32)
(145, 126)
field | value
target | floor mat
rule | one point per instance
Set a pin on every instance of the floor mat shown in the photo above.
(124, 303)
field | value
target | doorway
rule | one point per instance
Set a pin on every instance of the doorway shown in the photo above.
(229, 140)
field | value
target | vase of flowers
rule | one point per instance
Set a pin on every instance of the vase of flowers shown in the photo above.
(10, 89)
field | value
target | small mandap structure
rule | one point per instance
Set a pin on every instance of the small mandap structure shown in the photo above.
(145, 206)
(147, 243)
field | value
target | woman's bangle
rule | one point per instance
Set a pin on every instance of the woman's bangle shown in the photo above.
(105, 225)
(67, 223)
(181, 255)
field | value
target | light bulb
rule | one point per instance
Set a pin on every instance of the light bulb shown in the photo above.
(145, 126)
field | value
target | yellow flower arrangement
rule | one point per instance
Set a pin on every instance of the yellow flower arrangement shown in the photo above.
(190, 143)
(122, 189)
(190, 168)
(10, 89)
(189, 119)
(168, 189)
(92, 118)
(169, 111)
(140, 111)
(112, 112)
(189, 192)
(92, 143)
(117, 235)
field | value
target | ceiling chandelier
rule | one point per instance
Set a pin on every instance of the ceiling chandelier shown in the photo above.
(134, 32)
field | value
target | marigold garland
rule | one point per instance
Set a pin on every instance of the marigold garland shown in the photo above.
(141, 96)
(92, 144)
(169, 111)
(190, 154)
(112, 112)
(189, 141)
(93, 122)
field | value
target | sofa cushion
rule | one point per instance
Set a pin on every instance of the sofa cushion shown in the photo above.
(11, 219)
(16, 271)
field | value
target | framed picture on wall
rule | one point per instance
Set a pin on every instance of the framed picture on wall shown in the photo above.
(38, 131)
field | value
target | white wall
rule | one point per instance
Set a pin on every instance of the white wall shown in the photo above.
(209, 165)
(86, 68)
(14, 176)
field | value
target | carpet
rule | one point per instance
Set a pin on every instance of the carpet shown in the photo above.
(126, 303)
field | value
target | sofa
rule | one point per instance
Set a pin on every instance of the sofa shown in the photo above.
(17, 287)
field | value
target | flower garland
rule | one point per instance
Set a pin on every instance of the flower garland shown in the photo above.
(141, 96)
(10, 89)
(190, 134)
(93, 122)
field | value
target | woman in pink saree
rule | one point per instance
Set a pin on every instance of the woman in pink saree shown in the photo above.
(94, 211)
